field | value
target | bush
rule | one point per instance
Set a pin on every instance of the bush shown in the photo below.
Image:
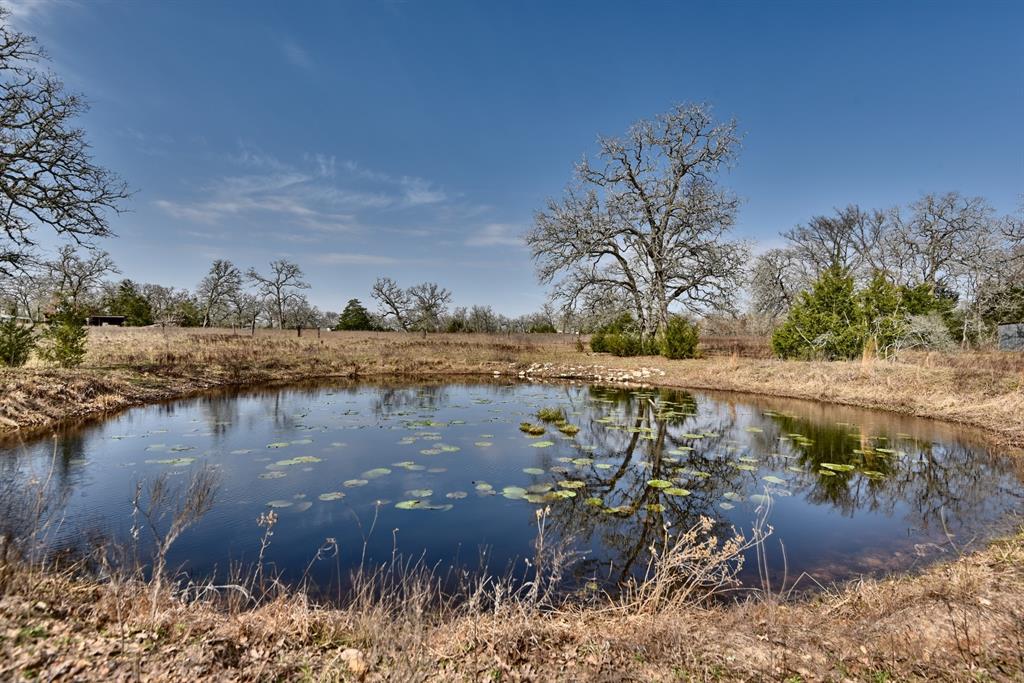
(927, 332)
(624, 344)
(64, 339)
(825, 323)
(679, 340)
(16, 343)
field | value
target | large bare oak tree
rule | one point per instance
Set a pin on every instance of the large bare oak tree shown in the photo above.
(647, 221)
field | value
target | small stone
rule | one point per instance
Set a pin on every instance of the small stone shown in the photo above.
(356, 661)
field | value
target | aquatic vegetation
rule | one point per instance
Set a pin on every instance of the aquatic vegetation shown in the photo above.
(568, 429)
(174, 462)
(659, 483)
(352, 483)
(551, 415)
(675, 491)
(332, 495)
(303, 459)
(532, 429)
(533, 470)
(514, 492)
(542, 444)
(375, 473)
(279, 504)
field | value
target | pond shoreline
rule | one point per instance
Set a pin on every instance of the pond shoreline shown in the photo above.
(979, 395)
(956, 620)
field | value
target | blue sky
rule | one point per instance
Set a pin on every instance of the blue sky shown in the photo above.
(416, 139)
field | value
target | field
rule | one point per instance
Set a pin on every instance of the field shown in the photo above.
(960, 620)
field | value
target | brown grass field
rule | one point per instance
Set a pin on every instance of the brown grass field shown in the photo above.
(960, 620)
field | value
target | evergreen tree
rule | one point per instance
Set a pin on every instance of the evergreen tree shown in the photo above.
(355, 317)
(128, 301)
(64, 338)
(824, 323)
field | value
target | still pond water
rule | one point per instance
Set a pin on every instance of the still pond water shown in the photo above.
(449, 475)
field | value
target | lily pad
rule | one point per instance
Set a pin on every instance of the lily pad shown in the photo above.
(533, 470)
(175, 462)
(420, 493)
(513, 492)
(352, 483)
(456, 495)
(572, 484)
(675, 491)
(375, 473)
(772, 479)
(542, 444)
(280, 504)
(659, 483)
(333, 495)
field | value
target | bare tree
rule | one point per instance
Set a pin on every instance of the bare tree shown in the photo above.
(28, 292)
(220, 283)
(244, 309)
(76, 276)
(775, 280)
(47, 176)
(169, 305)
(281, 288)
(852, 239)
(940, 234)
(429, 303)
(394, 302)
(648, 221)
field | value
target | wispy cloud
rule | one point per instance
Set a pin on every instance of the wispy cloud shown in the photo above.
(348, 259)
(295, 54)
(318, 194)
(495, 234)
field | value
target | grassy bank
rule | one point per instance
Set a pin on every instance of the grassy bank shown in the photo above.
(960, 620)
(126, 367)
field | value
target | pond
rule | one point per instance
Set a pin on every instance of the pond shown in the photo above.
(448, 473)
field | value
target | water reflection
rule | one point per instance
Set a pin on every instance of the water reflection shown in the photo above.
(849, 491)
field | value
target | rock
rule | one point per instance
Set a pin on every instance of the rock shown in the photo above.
(356, 662)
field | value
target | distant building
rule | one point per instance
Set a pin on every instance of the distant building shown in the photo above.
(105, 320)
(1011, 337)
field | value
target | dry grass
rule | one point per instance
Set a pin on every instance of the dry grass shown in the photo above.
(127, 367)
(961, 621)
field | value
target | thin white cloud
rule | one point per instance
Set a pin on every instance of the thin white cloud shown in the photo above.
(349, 259)
(295, 54)
(494, 235)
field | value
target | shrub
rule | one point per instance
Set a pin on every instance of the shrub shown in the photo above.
(824, 323)
(597, 342)
(926, 332)
(679, 340)
(64, 338)
(624, 344)
(16, 343)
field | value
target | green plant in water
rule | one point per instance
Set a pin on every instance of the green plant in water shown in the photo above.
(551, 415)
(532, 429)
